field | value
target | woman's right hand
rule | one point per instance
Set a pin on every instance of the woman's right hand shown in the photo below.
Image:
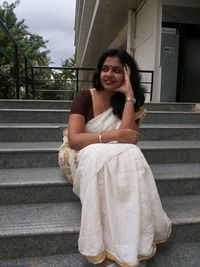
(129, 136)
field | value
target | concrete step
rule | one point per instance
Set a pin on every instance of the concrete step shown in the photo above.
(177, 179)
(170, 152)
(184, 211)
(33, 116)
(57, 104)
(65, 260)
(170, 106)
(176, 255)
(47, 185)
(167, 255)
(45, 154)
(50, 229)
(61, 116)
(170, 132)
(26, 132)
(41, 104)
(34, 185)
(172, 117)
(39, 230)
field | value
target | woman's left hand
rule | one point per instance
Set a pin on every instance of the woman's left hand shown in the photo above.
(126, 87)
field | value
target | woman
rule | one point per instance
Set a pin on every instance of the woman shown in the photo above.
(122, 218)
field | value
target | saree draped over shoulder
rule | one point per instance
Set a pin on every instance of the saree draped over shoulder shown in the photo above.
(122, 217)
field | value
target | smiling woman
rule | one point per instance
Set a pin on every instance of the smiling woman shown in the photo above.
(122, 218)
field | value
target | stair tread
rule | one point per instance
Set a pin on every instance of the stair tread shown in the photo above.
(32, 125)
(58, 125)
(169, 144)
(172, 112)
(67, 109)
(30, 176)
(65, 260)
(176, 171)
(35, 146)
(55, 175)
(166, 126)
(6, 146)
(183, 209)
(34, 219)
(36, 110)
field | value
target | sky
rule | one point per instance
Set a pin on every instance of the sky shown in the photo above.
(54, 21)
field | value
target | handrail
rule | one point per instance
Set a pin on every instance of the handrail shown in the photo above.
(16, 63)
(31, 79)
(148, 84)
(12, 39)
(75, 79)
(151, 72)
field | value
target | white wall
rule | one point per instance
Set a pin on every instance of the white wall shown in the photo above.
(147, 42)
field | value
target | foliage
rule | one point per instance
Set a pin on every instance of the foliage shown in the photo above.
(49, 83)
(60, 83)
(32, 46)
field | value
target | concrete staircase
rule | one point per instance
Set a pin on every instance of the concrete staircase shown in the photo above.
(39, 214)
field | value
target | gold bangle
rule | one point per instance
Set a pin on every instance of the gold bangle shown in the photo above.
(100, 137)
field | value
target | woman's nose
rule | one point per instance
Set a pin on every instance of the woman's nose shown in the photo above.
(110, 72)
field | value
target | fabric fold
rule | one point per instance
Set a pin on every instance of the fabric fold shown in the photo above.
(122, 216)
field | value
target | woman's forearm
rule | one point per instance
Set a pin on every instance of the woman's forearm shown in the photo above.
(128, 117)
(81, 140)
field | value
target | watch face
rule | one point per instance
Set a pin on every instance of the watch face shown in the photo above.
(130, 98)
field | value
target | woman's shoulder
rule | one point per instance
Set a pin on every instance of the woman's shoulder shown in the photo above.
(84, 93)
(83, 96)
(82, 104)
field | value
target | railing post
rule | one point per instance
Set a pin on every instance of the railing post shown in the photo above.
(26, 76)
(32, 82)
(151, 95)
(77, 79)
(16, 62)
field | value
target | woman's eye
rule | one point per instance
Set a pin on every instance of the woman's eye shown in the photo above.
(117, 69)
(114, 69)
(105, 68)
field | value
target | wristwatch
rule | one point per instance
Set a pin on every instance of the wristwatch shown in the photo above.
(131, 98)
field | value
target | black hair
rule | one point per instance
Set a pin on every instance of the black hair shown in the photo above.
(117, 101)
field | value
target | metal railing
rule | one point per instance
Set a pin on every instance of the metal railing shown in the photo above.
(47, 82)
(63, 80)
(147, 82)
(15, 61)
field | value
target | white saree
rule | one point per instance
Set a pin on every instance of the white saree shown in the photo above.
(122, 217)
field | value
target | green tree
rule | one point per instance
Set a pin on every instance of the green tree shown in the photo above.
(62, 82)
(32, 45)
(69, 76)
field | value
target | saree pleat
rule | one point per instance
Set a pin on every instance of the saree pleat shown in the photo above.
(122, 216)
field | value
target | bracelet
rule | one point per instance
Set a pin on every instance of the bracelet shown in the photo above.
(131, 98)
(100, 137)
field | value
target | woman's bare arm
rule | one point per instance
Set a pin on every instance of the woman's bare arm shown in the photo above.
(79, 139)
(128, 116)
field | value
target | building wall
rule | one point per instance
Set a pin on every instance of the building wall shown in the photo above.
(147, 42)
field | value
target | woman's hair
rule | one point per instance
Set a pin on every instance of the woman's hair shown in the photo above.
(117, 100)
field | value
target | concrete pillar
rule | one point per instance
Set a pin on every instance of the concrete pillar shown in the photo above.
(147, 41)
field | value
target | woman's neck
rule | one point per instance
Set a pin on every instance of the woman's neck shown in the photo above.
(105, 98)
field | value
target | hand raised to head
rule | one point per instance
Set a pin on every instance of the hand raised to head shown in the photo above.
(126, 87)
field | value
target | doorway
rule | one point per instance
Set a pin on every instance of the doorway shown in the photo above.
(180, 61)
(188, 89)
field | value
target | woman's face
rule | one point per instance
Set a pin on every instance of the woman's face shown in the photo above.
(112, 74)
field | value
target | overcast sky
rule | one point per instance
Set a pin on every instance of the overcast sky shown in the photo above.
(54, 21)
